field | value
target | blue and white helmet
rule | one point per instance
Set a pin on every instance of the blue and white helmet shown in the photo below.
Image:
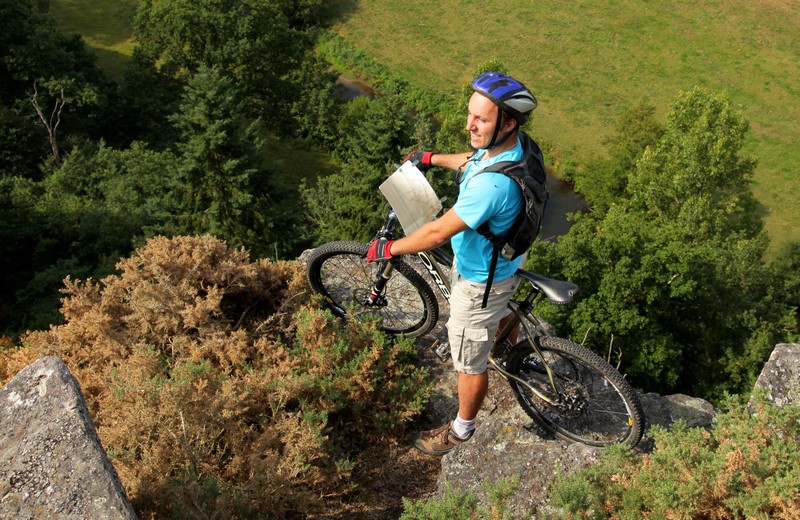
(507, 93)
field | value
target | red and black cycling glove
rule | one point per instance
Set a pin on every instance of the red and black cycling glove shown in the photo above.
(379, 250)
(421, 160)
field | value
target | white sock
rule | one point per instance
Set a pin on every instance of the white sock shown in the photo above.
(462, 428)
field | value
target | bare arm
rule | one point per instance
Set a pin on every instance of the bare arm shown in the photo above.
(452, 161)
(431, 235)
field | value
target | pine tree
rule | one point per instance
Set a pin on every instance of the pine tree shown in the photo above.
(218, 163)
(225, 189)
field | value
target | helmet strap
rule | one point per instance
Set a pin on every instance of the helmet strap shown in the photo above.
(494, 141)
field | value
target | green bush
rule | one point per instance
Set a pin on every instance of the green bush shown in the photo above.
(747, 466)
(462, 504)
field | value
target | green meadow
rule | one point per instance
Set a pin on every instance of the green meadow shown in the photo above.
(587, 61)
(106, 27)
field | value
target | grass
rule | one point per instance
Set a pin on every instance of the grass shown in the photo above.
(587, 61)
(105, 26)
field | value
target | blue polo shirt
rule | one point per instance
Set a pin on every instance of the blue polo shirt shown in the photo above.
(482, 197)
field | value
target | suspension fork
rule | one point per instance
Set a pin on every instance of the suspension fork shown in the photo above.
(375, 296)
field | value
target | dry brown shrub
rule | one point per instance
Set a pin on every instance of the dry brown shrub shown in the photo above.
(215, 386)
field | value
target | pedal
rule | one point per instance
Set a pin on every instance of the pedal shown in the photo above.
(443, 350)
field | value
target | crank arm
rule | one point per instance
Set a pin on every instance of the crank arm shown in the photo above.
(508, 375)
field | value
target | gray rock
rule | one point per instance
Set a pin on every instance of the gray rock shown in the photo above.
(508, 444)
(665, 410)
(51, 462)
(780, 376)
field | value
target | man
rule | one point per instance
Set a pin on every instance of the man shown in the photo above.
(497, 108)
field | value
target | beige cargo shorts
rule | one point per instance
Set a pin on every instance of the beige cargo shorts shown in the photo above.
(470, 329)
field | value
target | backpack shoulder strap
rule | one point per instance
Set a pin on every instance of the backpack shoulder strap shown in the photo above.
(530, 166)
(492, 267)
(497, 241)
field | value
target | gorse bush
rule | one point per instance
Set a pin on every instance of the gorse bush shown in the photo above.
(218, 388)
(462, 504)
(748, 466)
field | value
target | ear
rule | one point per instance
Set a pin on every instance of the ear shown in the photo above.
(508, 123)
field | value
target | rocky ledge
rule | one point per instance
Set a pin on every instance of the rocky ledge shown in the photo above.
(53, 466)
(51, 462)
(507, 443)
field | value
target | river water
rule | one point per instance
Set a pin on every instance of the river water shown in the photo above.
(563, 199)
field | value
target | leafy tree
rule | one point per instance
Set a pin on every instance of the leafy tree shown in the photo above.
(53, 75)
(672, 277)
(124, 194)
(787, 265)
(150, 97)
(254, 43)
(372, 132)
(77, 221)
(696, 175)
(316, 112)
(22, 147)
(347, 206)
(20, 234)
(21, 23)
(605, 180)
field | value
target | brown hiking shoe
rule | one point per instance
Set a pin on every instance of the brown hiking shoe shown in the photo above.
(439, 440)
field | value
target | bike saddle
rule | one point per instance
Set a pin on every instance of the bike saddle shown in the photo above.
(558, 292)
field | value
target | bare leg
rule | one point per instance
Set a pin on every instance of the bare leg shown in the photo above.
(514, 334)
(471, 392)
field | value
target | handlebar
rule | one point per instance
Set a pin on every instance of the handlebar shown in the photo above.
(556, 291)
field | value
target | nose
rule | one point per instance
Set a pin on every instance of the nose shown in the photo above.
(470, 123)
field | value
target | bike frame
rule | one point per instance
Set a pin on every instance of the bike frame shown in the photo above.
(433, 261)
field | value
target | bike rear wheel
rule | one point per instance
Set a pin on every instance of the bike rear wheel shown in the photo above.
(339, 272)
(592, 403)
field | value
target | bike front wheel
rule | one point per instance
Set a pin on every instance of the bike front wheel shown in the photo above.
(339, 272)
(587, 400)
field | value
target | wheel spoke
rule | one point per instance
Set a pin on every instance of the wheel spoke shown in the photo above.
(587, 405)
(339, 272)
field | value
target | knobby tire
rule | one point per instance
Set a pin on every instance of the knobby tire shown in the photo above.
(339, 272)
(594, 404)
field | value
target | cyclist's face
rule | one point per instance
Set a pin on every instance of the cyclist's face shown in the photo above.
(481, 119)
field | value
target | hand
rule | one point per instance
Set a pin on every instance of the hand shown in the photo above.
(379, 250)
(421, 160)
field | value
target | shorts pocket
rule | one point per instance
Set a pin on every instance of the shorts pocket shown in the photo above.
(470, 348)
(476, 335)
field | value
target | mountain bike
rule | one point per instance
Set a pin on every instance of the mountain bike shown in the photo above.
(564, 387)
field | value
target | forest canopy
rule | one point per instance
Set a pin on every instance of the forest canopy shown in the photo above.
(191, 142)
